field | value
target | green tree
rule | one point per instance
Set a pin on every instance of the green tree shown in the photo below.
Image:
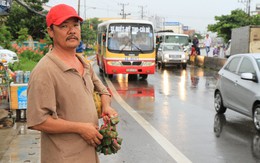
(27, 16)
(22, 35)
(198, 35)
(225, 23)
(89, 30)
(255, 20)
(5, 37)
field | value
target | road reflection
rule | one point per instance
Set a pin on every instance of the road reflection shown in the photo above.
(165, 84)
(231, 133)
(139, 94)
(134, 88)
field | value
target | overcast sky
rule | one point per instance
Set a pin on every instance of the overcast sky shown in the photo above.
(196, 14)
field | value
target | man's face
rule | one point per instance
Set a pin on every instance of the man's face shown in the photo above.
(67, 34)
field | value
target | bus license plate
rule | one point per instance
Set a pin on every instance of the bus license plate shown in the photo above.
(131, 70)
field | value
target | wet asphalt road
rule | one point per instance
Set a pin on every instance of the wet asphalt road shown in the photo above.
(179, 104)
(167, 118)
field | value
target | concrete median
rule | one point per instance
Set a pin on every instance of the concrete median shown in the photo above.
(214, 63)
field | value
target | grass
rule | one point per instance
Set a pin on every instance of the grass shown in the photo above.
(24, 64)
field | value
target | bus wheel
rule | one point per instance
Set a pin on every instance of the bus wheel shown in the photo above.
(110, 76)
(132, 76)
(144, 76)
(100, 70)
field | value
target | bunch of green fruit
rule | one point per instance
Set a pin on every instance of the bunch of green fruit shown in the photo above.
(110, 143)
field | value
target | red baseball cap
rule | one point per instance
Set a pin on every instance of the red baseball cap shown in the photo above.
(59, 13)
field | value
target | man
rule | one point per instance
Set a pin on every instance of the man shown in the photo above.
(60, 95)
(207, 43)
(196, 44)
(113, 42)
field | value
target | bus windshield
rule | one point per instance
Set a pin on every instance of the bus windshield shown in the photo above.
(130, 37)
(183, 40)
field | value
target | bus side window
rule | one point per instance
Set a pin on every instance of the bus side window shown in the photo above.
(157, 40)
(104, 39)
(99, 42)
(161, 39)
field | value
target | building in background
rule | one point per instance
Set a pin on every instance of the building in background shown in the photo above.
(257, 9)
(177, 27)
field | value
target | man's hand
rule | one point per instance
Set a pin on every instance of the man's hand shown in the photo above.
(108, 112)
(89, 132)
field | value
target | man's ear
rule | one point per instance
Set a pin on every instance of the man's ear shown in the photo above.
(50, 32)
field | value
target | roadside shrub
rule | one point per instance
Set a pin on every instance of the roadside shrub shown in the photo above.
(31, 55)
(24, 64)
(28, 58)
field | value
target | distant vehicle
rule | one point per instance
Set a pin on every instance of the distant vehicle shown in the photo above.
(126, 47)
(201, 45)
(5, 7)
(171, 54)
(171, 37)
(238, 86)
(227, 49)
(8, 56)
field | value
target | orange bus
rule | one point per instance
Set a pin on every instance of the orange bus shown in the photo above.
(126, 47)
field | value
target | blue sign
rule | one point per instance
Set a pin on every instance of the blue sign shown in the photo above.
(22, 97)
(171, 23)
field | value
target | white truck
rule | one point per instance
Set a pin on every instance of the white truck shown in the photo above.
(244, 40)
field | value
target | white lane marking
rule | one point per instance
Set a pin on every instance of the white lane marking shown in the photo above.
(166, 144)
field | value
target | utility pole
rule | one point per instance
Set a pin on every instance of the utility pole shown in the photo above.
(123, 11)
(142, 11)
(247, 4)
(79, 7)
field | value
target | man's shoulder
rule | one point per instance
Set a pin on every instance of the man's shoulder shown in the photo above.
(44, 64)
(45, 60)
